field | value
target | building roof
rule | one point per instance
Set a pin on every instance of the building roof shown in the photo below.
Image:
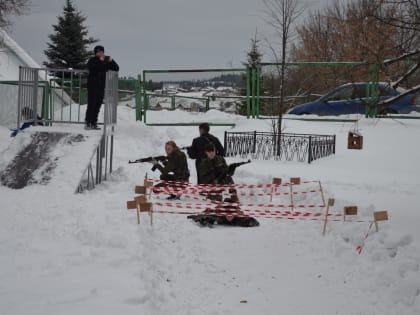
(12, 56)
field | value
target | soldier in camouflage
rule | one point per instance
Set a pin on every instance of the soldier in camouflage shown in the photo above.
(175, 168)
(214, 171)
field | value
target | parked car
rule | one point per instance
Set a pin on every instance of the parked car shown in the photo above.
(351, 98)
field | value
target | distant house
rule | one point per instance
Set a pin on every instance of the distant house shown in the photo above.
(230, 107)
(225, 89)
(196, 107)
(170, 88)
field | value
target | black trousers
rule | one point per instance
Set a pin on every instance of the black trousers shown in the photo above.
(197, 168)
(95, 99)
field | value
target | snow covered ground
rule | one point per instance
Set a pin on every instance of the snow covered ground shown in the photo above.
(66, 253)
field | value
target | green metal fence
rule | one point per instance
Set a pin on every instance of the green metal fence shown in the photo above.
(254, 96)
(143, 96)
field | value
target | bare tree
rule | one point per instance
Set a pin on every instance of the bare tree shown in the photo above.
(367, 31)
(408, 16)
(281, 16)
(12, 7)
(407, 21)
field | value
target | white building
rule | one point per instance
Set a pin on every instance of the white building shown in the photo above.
(12, 56)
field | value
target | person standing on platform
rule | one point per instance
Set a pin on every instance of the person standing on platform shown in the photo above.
(97, 66)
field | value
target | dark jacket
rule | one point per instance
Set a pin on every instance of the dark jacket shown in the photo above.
(215, 171)
(176, 164)
(27, 124)
(196, 150)
(97, 72)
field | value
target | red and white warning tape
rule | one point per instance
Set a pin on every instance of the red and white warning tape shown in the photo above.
(217, 203)
(310, 216)
(359, 247)
(242, 186)
(187, 190)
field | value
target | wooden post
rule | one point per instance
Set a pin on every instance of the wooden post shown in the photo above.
(138, 212)
(379, 216)
(141, 205)
(322, 193)
(331, 202)
(293, 181)
(140, 190)
(147, 184)
(349, 210)
(276, 181)
(141, 199)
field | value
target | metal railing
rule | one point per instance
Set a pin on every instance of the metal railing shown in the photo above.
(55, 95)
(267, 145)
(101, 162)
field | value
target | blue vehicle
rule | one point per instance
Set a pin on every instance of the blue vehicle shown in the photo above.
(351, 98)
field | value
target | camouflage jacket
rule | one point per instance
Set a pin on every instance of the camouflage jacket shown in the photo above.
(176, 164)
(215, 171)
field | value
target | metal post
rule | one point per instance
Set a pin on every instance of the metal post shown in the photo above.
(71, 93)
(255, 142)
(145, 105)
(62, 93)
(138, 98)
(106, 157)
(80, 96)
(35, 97)
(225, 142)
(310, 150)
(253, 92)
(112, 150)
(20, 91)
(98, 161)
(248, 89)
(257, 81)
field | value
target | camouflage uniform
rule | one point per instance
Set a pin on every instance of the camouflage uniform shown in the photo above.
(215, 172)
(176, 164)
(196, 151)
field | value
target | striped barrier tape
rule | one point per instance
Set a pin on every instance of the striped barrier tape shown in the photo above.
(263, 212)
(234, 204)
(359, 247)
(306, 216)
(242, 186)
(175, 191)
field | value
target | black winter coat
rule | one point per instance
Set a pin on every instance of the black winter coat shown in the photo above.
(196, 150)
(97, 72)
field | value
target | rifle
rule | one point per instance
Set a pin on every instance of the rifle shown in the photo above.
(231, 170)
(160, 158)
(232, 167)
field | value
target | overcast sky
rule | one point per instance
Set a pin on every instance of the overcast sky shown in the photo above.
(150, 34)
